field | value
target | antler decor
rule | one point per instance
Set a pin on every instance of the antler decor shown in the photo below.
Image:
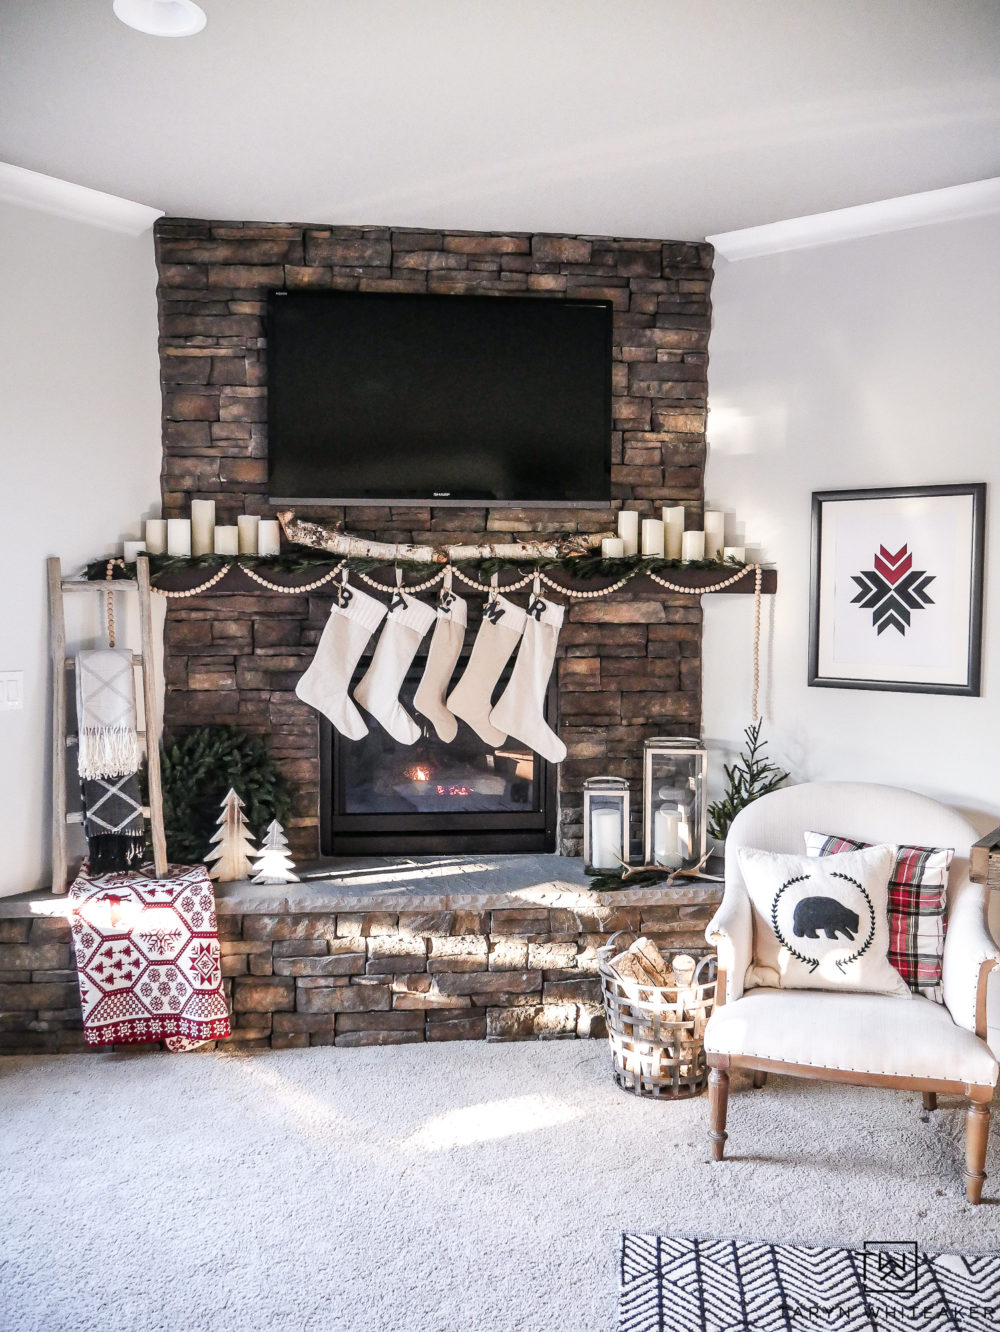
(324, 536)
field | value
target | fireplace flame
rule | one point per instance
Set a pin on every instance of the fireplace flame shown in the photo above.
(417, 774)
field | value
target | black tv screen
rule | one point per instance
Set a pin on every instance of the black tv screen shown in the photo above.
(380, 398)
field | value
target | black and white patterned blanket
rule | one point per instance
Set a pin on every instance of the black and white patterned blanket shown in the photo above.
(113, 822)
(679, 1284)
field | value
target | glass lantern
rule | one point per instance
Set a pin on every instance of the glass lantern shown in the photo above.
(673, 803)
(605, 823)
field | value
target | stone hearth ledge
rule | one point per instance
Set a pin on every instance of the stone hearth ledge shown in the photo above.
(383, 951)
(427, 883)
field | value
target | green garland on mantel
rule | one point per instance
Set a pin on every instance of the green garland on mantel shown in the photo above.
(304, 559)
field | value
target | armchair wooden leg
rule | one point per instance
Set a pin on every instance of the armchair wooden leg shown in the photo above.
(930, 1100)
(718, 1100)
(759, 1078)
(977, 1132)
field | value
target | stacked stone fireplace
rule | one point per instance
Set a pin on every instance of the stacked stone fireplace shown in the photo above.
(629, 666)
(338, 965)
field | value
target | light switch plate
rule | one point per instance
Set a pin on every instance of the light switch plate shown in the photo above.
(11, 691)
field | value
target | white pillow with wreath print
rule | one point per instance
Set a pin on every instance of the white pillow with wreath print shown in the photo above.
(821, 924)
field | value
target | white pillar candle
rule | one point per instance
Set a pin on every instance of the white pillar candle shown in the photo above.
(605, 839)
(673, 527)
(652, 536)
(246, 529)
(202, 527)
(156, 536)
(715, 534)
(684, 838)
(612, 548)
(269, 537)
(666, 823)
(179, 536)
(628, 530)
(693, 546)
(227, 540)
(131, 549)
(737, 553)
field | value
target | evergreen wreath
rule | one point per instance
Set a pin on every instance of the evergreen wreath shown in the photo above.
(749, 778)
(197, 768)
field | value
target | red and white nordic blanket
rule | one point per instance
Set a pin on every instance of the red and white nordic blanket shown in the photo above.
(147, 956)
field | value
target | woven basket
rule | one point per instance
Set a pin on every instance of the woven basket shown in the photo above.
(656, 1033)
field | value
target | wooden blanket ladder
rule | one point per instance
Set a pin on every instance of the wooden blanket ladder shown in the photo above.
(62, 739)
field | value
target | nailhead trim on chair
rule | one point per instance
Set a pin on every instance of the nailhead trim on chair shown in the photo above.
(835, 1068)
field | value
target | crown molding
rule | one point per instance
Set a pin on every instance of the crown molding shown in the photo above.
(47, 194)
(979, 198)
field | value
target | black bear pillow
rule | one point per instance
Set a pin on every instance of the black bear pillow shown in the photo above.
(821, 924)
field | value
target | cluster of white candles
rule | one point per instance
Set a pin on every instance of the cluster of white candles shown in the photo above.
(199, 535)
(666, 537)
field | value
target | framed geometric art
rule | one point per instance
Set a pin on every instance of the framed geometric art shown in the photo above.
(896, 598)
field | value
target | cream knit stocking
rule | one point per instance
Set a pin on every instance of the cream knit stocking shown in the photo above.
(520, 711)
(472, 698)
(354, 617)
(442, 656)
(405, 625)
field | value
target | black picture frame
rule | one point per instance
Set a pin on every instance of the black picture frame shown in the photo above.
(895, 591)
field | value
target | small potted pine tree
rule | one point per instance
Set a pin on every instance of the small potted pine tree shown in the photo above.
(749, 778)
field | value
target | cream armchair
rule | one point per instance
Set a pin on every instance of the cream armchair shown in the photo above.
(864, 1039)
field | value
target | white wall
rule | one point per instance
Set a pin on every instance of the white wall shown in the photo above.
(80, 444)
(874, 362)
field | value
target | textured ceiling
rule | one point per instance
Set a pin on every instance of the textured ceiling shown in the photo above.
(622, 117)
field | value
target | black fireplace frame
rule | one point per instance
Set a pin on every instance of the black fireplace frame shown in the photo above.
(344, 834)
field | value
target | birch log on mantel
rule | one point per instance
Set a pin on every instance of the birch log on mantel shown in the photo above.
(323, 536)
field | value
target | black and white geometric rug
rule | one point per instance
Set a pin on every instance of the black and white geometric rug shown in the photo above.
(677, 1284)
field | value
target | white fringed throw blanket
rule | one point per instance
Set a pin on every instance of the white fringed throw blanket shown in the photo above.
(105, 713)
(147, 955)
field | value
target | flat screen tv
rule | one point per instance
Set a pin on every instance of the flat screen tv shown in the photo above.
(383, 398)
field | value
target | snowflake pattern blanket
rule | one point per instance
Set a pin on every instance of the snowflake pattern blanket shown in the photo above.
(147, 956)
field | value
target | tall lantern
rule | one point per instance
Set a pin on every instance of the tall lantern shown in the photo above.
(673, 805)
(605, 823)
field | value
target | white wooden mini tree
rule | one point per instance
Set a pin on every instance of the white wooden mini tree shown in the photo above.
(232, 845)
(274, 862)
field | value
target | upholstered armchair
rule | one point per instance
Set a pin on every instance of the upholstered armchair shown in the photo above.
(864, 1039)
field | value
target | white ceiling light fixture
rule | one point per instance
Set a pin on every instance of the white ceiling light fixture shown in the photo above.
(162, 18)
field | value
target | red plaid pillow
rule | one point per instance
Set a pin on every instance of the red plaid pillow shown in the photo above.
(918, 901)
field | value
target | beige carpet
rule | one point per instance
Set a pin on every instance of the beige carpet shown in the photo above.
(432, 1188)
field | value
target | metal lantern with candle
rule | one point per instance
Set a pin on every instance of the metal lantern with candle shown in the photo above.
(673, 789)
(605, 823)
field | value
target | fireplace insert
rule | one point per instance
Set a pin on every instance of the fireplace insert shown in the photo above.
(379, 797)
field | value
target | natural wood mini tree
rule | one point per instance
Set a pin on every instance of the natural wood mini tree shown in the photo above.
(232, 844)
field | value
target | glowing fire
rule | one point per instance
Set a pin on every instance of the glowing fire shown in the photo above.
(419, 773)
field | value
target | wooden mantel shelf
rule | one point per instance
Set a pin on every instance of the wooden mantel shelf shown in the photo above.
(692, 578)
(237, 582)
